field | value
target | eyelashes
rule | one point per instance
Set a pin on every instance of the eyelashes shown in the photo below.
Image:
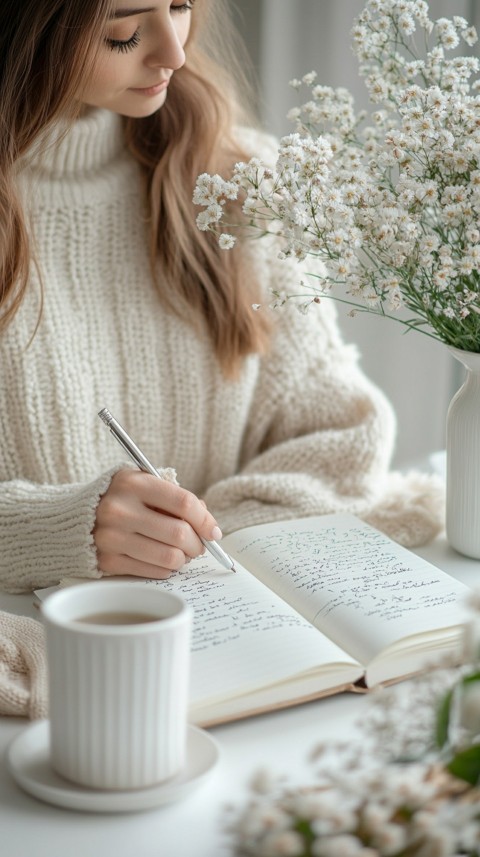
(124, 46)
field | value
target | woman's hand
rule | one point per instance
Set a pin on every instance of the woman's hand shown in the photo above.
(149, 527)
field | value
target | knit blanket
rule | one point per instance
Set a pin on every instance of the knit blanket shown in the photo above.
(23, 667)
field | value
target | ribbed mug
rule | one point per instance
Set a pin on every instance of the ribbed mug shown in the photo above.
(118, 693)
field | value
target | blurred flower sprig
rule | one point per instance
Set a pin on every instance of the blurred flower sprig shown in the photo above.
(407, 786)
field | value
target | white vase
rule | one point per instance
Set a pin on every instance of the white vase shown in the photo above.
(463, 460)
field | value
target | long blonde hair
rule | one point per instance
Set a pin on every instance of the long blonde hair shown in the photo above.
(46, 52)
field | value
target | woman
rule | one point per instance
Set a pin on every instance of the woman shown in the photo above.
(111, 296)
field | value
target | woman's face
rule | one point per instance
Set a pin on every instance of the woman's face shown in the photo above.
(141, 48)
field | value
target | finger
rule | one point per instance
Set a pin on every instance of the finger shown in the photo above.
(124, 509)
(169, 530)
(180, 503)
(137, 546)
(111, 565)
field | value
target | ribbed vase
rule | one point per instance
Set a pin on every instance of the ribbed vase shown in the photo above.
(463, 460)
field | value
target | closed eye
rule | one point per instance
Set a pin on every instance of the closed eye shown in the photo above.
(122, 46)
(182, 7)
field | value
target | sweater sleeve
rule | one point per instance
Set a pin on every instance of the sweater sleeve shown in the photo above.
(320, 440)
(46, 532)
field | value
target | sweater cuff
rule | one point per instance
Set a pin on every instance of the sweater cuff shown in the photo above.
(46, 532)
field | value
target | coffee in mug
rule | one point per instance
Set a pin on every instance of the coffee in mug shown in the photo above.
(116, 618)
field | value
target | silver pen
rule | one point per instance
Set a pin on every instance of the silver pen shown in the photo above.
(143, 463)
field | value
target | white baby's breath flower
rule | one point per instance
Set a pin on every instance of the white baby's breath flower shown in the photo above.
(294, 113)
(341, 846)
(360, 34)
(309, 78)
(204, 219)
(262, 819)
(295, 83)
(406, 24)
(470, 36)
(226, 241)
(447, 32)
(287, 843)
(390, 840)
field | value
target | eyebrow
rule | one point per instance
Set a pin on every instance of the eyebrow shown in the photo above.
(127, 13)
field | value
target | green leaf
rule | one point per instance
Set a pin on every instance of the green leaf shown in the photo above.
(472, 677)
(304, 827)
(443, 713)
(466, 765)
(443, 720)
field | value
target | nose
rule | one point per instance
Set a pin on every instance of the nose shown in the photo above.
(167, 50)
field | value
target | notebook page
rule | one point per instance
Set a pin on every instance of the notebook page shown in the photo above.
(361, 589)
(244, 637)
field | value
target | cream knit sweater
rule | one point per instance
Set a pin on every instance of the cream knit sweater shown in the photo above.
(302, 431)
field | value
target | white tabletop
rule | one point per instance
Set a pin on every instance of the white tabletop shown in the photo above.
(192, 827)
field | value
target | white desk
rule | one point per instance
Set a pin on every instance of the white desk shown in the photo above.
(192, 827)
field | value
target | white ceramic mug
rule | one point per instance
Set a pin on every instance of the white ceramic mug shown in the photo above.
(118, 693)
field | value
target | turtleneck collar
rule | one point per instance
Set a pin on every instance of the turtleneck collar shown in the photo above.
(91, 142)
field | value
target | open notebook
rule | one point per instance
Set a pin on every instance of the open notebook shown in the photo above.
(317, 606)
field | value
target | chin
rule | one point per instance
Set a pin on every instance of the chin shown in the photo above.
(138, 114)
(139, 108)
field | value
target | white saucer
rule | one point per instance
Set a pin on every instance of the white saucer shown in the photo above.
(29, 763)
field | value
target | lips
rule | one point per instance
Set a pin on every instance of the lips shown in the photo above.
(151, 90)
